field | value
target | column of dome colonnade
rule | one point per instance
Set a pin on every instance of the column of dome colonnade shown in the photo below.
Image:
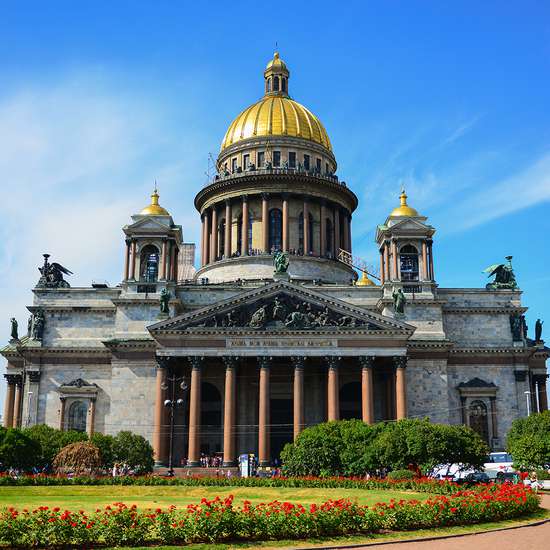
(367, 366)
(319, 230)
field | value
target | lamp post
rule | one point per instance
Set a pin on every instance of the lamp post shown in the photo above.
(29, 402)
(172, 403)
(528, 397)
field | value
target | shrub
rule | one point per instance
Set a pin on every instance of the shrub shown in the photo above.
(529, 440)
(79, 458)
(134, 450)
(351, 447)
(51, 441)
(401, 474)
(17, 450)
(105, 445)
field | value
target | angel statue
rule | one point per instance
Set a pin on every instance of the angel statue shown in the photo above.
(280, 261)
(52, 275)
(504, 276)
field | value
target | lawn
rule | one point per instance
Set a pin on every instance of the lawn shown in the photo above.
(91, 497)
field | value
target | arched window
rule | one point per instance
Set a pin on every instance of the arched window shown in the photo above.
(276, 84)
(283, 82)
(329, 238)
(275, 229)
(301, 233)
(269, 84)
(221, 238)
(409, 263)
(78, 411)
(477, 419)
(149, 264)
(240, 232)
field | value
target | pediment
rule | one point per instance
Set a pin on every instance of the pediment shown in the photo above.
(411, 224)
(281, 306)
(150, 224)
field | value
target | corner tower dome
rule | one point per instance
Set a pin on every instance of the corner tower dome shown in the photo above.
(276, 114)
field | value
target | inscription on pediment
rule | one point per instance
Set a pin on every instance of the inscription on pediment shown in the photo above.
(282, 312)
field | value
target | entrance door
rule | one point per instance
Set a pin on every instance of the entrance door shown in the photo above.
(282, 430)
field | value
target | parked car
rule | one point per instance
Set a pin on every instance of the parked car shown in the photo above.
(473, 478)
(507, 477)
(498, 462)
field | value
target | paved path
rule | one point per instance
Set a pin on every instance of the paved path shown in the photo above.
(522, 538)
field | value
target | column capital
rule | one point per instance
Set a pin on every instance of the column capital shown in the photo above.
(244, 198)
(265, 196)
(332, 361)
(264, 362)
(367, 361)
(164, 362)
(62, 398)
(399, 361)
(227, 202)
(196, 362)
(230, 362)
(298, 362)
(11, 379)
(34, 376)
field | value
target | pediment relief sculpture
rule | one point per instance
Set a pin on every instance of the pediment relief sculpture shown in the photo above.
(282, 312)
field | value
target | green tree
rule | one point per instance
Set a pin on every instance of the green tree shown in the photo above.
(17, 450)
(51, 441)
(529, 440)
(105, 445)
(134, 450)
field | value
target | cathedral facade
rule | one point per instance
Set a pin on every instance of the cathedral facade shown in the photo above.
(279, 327)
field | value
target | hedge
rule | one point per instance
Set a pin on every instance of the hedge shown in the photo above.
(219, 521)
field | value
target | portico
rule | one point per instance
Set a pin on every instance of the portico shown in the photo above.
(302, 360)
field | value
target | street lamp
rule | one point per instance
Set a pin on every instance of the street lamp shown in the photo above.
(29, 401)
(528, 397)
(172, 404)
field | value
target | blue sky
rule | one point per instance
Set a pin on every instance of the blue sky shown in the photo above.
(450, 99)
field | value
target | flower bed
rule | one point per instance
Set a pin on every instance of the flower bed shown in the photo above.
(423, 484)
(218, 520)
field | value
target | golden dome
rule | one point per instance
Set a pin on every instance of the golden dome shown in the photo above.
(404, 210)
(365, 281)
(154, 209)
(276, 116)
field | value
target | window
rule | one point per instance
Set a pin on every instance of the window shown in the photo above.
(276, 84)
(409, 263)
(275, 229)
(261, 159)
(149, 264)
(269, 84)
(233, 165)
(329, 237)
(276, 158)
(246, 161)
(477, 419)
(318, 165)
(292, 159)
(283, 82)
(301, 233)
(240, 233)
(326, 168)
(306, 162)
(221, 238)
(78, 411)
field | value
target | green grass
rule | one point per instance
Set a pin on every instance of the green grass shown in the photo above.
(91, 497)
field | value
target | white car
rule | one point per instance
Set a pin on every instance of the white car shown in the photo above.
(498, 462)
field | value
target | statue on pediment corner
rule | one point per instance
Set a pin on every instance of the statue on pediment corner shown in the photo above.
(538, 330)
(14, 330)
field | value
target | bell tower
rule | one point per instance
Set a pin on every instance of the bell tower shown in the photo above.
(153, 249)
(406, 251)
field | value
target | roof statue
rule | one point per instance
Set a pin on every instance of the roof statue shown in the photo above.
(504, 276)
(52, 275)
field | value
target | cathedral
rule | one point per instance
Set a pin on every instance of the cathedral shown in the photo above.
(277, 326)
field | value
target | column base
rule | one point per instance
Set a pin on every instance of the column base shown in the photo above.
(229, 464)
(265, 463)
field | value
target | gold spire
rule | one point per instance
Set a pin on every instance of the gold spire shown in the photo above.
(404, 210)
(364, 280)
(154, 209)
